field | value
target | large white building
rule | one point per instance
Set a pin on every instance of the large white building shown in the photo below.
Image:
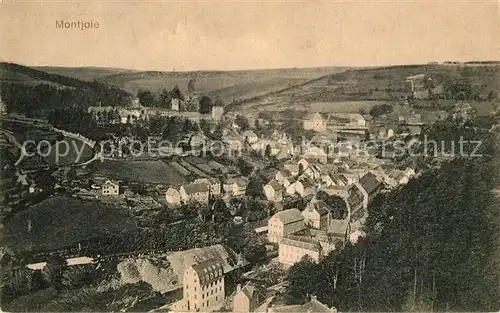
(315, 122)
(203, 288)
(293, 249)
(284, 223)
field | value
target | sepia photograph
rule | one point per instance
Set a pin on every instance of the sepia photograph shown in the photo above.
(299, 156)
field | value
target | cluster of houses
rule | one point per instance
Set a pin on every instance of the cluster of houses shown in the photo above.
(313, 231)
(135, 112)
(203, 290)
(203, 189)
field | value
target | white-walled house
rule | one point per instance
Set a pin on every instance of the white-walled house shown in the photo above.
(285, 223)
(274, 191)
(110, 188)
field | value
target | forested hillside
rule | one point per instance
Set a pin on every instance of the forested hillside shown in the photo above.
(431, 245)
(34, 93)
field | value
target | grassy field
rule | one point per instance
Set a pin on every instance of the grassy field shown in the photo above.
(154, 172)
(83, 73)
(227, 85)
(61, 221)
(353, 89)
(73, 156)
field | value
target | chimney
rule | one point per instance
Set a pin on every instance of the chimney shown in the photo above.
(238, 288)
(313, 298)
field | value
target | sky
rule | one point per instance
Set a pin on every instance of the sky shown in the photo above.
(231, 35)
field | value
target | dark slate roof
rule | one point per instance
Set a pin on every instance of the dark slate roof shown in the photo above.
(319, 205)
(301, 242)
(208, 270)
(275, 184)
(314, 306)
(369, 182)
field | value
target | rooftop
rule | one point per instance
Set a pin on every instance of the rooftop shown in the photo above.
(196, 187)
(301, 242)
(289, 216)
(369, 182)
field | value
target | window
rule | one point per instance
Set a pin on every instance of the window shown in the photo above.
(216, 298)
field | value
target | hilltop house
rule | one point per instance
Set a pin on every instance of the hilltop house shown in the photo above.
(285, 223)
(110, 188)
(293, 249)
(274, 191)
(314, 122)
(195, 192)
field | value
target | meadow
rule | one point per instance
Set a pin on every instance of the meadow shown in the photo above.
(59, 222)
(153, 172)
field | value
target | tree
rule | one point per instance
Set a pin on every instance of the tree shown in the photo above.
(53, 271)
(303, 278)
(255, 187)
(191, 86)
(205, 105)
(146, 98)
(165, 99)
(244, 167)
(176, 93)
(242, 122)
(337, 205)
(268, 151)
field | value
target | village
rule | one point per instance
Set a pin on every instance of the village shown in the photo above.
(314, 193)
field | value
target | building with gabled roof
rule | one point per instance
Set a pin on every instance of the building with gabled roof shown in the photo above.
(203, 287)
(247, 298)
(313, 306)
(293, 249)
(195, 192)
(274, 191)
(316, 214)
(285, 223)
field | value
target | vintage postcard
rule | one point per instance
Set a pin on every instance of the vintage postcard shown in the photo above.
(249, 156)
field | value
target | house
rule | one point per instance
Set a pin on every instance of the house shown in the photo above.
(175, 104)
(173, 197)
(214, 183)
(293, 249)
(314, 122)
(195, 192)
(110, 188)
(246, 299)
(316, 214)
(274, 191)
(203, 288)
(313, 306)
(315, 153)
(235, 186)
(303, 187)
(285, 223)
(368, 186)
(284, 177)
(302, 163)
(338, 228)
(292, 168)
(217, 112)
(250, 136)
